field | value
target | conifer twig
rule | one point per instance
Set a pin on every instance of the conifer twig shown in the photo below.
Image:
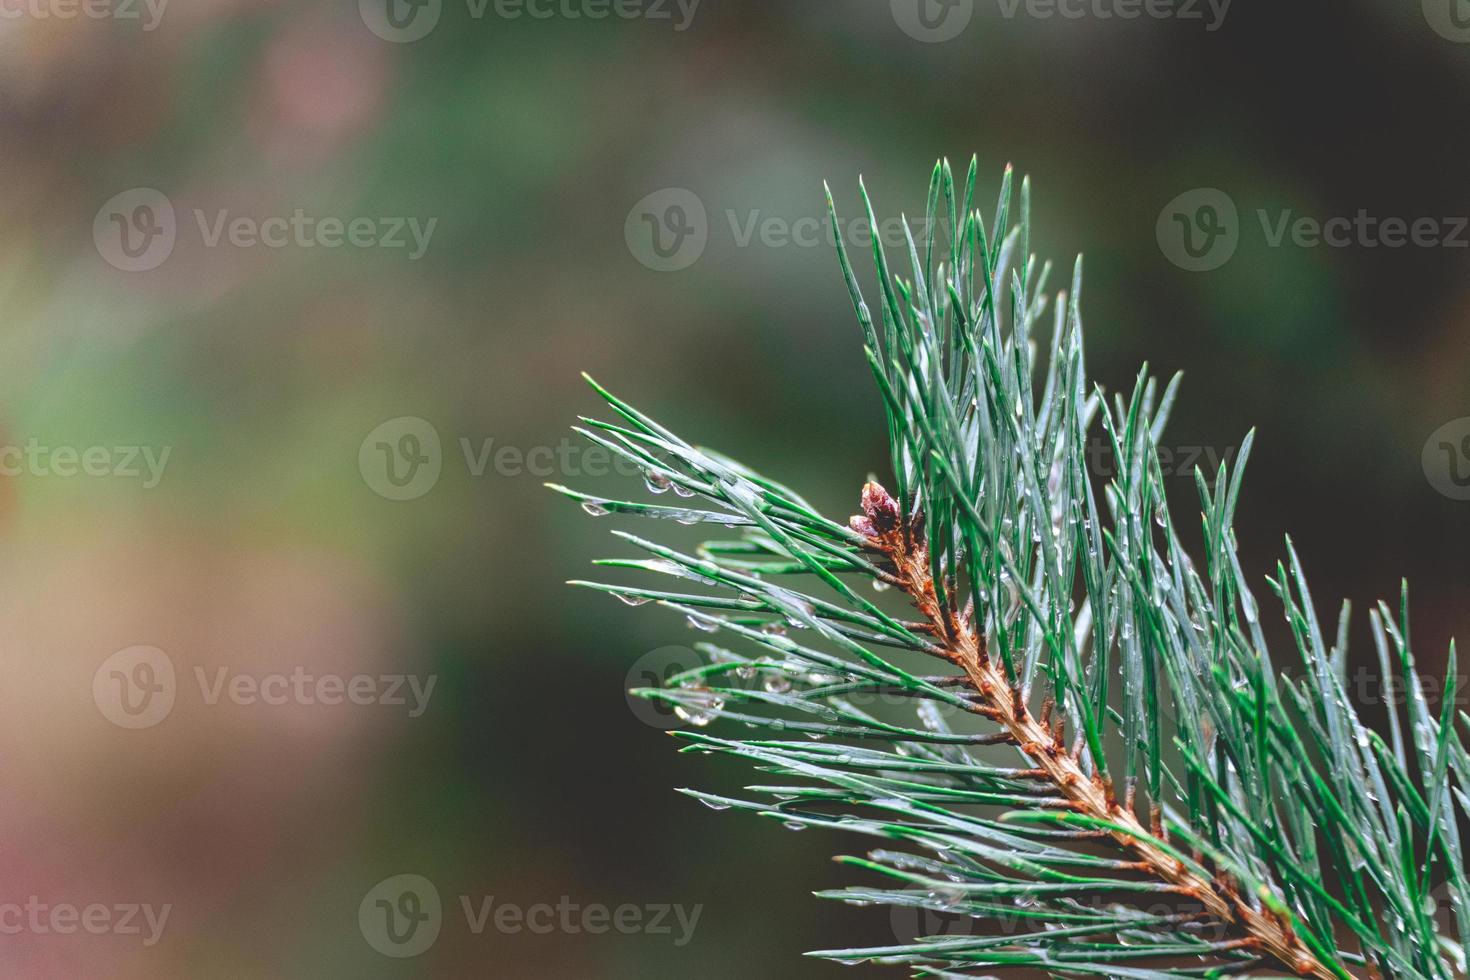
(1092, 796)
(1256, 822)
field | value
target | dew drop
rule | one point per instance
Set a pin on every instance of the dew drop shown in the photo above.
(700, 711)
(656, 482)
(715, 804)
(794, 825)
(594, 508)
(631, 600)
(773, 628)
(777, 684)
(947, 899)
(681, 491)
(703, 623)
(880, 586)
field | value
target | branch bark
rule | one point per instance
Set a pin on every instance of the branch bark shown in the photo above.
(896, 538)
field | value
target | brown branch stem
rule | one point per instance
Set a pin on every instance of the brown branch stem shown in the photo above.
(1092, 795)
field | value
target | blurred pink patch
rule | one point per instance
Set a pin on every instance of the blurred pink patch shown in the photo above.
(318, 79)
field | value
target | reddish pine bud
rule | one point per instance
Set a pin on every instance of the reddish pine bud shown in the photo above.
(881, 508)
(862, 526)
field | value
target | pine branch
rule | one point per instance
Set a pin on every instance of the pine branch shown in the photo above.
(1208, 814)
(1092, 795)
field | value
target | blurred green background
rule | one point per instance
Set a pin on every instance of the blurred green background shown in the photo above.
(531, 143)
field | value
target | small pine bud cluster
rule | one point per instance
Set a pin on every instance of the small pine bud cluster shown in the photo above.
(881, 514)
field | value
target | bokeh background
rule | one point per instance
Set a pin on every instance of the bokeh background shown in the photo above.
(267, 544)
